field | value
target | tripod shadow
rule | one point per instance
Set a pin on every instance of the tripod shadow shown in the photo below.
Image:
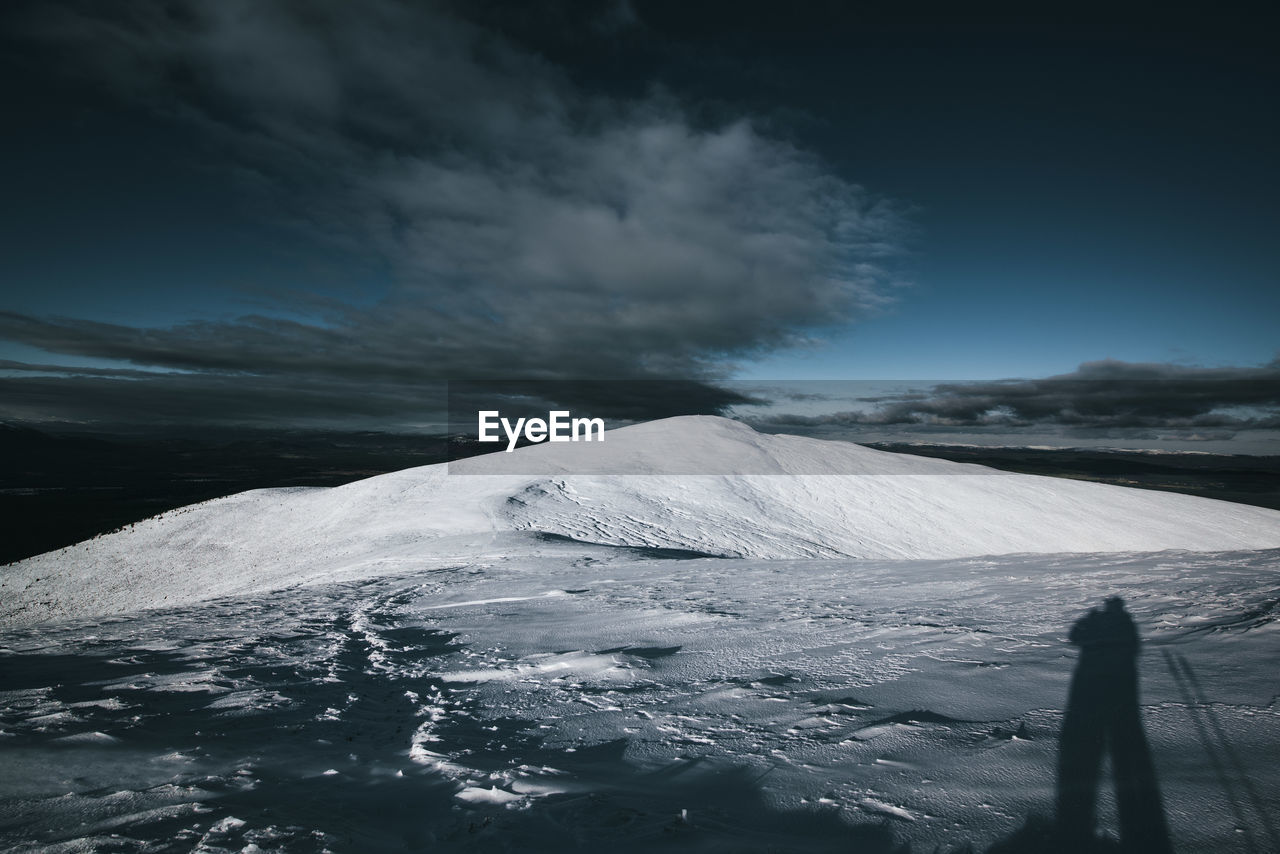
(1102, 717)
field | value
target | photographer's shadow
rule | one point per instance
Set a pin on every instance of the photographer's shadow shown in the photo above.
(1102, 716)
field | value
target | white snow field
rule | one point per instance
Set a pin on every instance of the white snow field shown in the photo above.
(876, 505)
(869, 661)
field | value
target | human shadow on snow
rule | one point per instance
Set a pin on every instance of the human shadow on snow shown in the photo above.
(1102, 716)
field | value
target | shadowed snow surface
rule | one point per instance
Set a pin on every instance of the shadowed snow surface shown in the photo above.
(591, 699)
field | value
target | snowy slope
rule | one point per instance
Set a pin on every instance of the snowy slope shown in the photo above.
(611, 702)
(875, 505)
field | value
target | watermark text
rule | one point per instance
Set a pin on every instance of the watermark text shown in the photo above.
(558, 426)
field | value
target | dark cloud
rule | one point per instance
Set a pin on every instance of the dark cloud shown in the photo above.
(1098, 397)
(531, 229)
(139, 399)
(142, 399)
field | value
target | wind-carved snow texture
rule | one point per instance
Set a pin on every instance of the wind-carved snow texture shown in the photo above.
(520, 663)
(592, 697)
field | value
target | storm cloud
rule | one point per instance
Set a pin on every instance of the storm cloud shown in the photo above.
(1102, 396)
(531, 229)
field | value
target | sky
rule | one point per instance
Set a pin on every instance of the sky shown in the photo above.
(313, 213)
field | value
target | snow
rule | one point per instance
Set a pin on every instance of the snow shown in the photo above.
(785, 704)
(440, 659)
(800, 498)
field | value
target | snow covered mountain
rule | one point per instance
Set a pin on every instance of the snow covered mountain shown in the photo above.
(801, 498)
(715, 641)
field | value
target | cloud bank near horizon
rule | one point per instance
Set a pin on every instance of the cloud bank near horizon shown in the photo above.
(1106, 398)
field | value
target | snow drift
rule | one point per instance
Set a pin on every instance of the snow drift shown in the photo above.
(874, 504)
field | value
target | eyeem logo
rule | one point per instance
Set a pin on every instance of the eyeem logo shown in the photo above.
(558, 427)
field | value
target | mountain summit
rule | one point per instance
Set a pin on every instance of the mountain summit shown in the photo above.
(701, 485)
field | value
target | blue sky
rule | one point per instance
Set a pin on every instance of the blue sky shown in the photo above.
(252, 198)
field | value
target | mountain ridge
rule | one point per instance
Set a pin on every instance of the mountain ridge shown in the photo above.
(883, 506)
